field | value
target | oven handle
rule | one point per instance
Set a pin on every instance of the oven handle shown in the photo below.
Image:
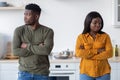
(62, 73)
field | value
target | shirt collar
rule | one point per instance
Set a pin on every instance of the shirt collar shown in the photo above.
(31, 27)
(87, 35)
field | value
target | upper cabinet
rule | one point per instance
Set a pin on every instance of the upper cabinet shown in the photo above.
(116, 12)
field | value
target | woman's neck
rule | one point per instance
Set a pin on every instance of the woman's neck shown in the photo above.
(93, 34)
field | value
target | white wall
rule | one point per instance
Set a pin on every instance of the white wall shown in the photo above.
(65, 17)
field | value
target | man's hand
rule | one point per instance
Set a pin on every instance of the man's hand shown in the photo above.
(23, 45)
(41, 44)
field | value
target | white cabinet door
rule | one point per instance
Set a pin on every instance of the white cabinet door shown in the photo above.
(8, 71)
(118, 71)
(77, 72)
(116, 12)
(113, 71)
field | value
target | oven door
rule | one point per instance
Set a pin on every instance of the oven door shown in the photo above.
(62, 75)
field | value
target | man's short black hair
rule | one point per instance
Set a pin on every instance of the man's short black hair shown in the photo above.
(33, 7)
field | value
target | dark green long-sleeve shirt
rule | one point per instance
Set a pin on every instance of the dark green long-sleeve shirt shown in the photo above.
(34, 58)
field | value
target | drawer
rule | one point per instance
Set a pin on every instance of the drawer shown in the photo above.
(62, 66)
(9, 66)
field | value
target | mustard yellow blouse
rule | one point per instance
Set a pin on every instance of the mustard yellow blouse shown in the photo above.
(92, 63)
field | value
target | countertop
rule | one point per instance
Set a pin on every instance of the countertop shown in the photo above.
(52, 60)
(114, 59)
(69, 60)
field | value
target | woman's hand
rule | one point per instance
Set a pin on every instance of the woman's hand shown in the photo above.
(100, 50)
(82, 47)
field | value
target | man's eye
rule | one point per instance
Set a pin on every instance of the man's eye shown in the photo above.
(27, 14)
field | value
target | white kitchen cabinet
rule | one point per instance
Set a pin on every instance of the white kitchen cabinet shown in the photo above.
(8, 70)
(116, 12)
(77, 71)
(58, 67)
(118, 71)
(115, 70)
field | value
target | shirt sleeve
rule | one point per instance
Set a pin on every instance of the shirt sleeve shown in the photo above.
(17, 50)
(47, 46)
(83, 53)
(108, 53)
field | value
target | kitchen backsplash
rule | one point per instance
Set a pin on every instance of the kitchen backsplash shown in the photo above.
(65, 17)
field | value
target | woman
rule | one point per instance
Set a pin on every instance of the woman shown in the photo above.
(94, 47)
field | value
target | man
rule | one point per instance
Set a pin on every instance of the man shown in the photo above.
(33, 43)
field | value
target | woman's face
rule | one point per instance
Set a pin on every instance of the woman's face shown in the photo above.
(95, 25)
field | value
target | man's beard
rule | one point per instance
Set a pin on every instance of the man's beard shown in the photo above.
(29, 23)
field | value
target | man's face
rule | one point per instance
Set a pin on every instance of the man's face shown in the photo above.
(29, 17)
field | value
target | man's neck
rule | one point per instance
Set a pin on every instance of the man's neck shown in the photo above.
(35, 26)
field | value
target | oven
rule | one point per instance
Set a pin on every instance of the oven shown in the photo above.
(62, 71)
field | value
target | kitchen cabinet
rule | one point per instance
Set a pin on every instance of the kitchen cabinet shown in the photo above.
(118, 71)
(8, 70)
(66, 68)
(115, 70)
(116, 12)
